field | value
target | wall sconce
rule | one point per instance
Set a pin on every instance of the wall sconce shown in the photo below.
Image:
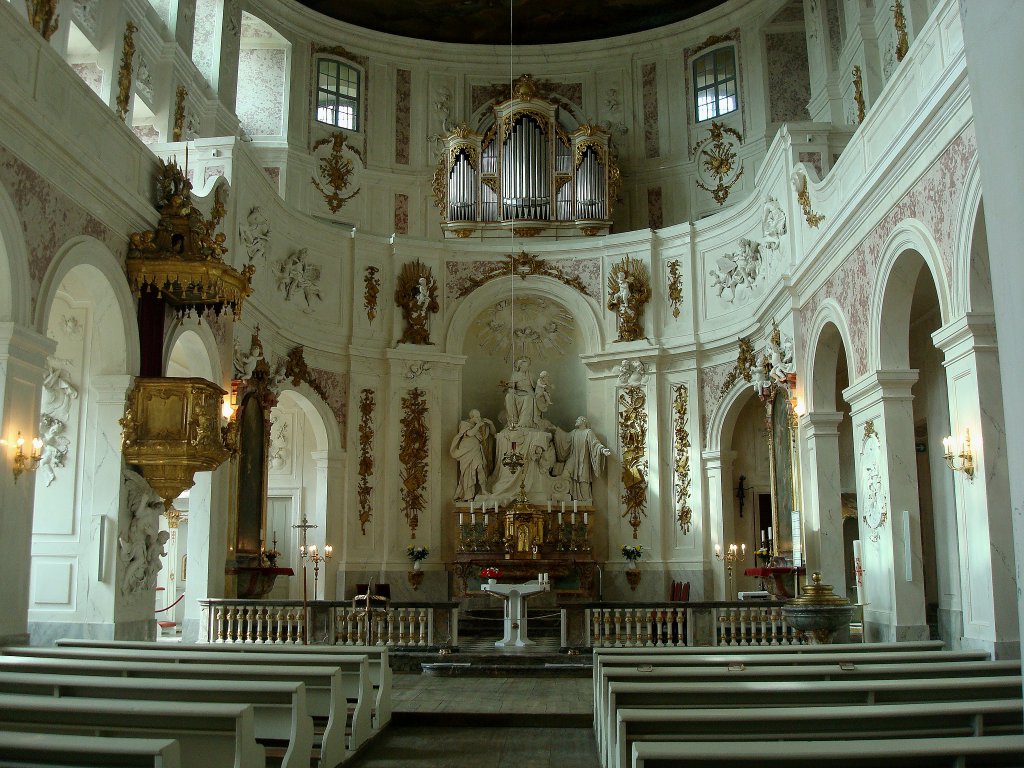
(228, 409)
(962, 460)
(797, 405)
(23, 462)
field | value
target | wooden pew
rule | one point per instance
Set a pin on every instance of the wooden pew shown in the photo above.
(58, 750)
(880, 721)
(790, 693)
(279, 708)
(208, 735)
(916, 645)
(356, 690)
(973, 752)
(380, 665)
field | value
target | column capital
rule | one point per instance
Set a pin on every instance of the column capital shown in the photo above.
(25, 344)
(966, 334)
(718, 459)
(881, 386)
(822, 423)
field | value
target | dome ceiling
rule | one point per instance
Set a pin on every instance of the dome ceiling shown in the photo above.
(486, 22)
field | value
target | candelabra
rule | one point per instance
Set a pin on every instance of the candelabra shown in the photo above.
(962, 461)
(736, 553)
(24, 462)
(313, 555)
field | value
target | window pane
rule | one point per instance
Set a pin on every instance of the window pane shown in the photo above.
(714, 83)
(337, 94)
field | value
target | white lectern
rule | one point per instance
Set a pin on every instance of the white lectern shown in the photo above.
(515, 596)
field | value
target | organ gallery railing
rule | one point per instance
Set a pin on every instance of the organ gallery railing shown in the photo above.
(526, 171)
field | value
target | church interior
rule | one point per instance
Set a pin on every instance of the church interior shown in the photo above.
(428, 342)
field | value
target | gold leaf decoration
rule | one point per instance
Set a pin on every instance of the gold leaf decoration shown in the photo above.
(364, 490)
(371, 287)
(124, 74)
(42, 15)
(633, 436)
(804, 198)
(858, 92)
(335, 173)
(525, 265)
(899, 20)
(629, 290)
(179, 113)
(681, 447)
(718, 160)
(413, 456)
(675, 287)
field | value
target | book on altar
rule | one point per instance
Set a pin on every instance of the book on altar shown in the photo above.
(757, 594)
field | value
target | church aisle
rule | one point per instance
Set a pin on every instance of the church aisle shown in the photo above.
(517, 722)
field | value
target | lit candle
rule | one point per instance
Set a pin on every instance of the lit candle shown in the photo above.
(718, 551)
(328, 551)
(743, 550)
(312, 551)
(472, 518)
(584, 518)
(559, 518)
(461, 518)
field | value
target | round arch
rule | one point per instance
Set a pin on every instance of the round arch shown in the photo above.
(723, 419)
(93, 261)
(893, 292)
(197, 342)
(15, 284)
(549, 288)
(325, 425)
(969, 213)
(829, 336)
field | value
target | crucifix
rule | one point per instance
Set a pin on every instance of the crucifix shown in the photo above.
(304, 526)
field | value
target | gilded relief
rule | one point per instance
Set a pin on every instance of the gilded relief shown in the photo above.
(413, 456)
(632, 403)
(364, 490)
(681, 450)
(629, 290)
(335, 171)
(416, 296)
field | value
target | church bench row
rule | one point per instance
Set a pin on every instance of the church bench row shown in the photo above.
(973, 752)
(208, 735)
(355, 684)
(789, 693)
(602, 661)
(280, 715)
(379, 660)
(879, 721)
(727, 676)
(58, 750)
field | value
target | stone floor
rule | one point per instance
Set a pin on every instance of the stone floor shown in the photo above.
(463, 722)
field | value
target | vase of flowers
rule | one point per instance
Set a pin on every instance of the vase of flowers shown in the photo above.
(762, 557)
(491, 574)
(417, 555)
(632, 553)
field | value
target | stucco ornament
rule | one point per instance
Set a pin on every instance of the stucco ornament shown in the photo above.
(297, 274)
(255, 235)
(59, 397)
(141, 544)
(335, 172)
(875, 503)
(633, 372)
(629, 290)
(737, 274)
(416, 296)
(773, 223)
(543, 327)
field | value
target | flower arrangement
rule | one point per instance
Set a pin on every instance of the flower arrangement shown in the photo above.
(417, 553)
(490, 572)
(632, 552)
(762, 555)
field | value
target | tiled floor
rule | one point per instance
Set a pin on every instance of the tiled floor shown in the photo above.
(498, 743)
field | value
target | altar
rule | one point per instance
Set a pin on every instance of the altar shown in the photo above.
(777, 580)
(514, 596)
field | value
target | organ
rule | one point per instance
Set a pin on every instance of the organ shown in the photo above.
(527, 172)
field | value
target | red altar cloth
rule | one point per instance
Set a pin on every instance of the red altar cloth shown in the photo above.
(781, 578)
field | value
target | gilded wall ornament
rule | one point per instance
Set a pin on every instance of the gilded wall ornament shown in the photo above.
(335, 172)
(178, 127)
(124, 74)
(633, 437)
(416, 296)
(364, 491)
(675, 287)
(629, 290)
(413, 455)
(899, 20)
(524, 265)
(43, 16)
(371, 288)
(746, 360)
(799, 181)
(681, 450)
(298, 275)
(858, 92)
(718, 164)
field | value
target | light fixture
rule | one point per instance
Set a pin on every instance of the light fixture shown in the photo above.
(736, 553)
(313, 555)
(961, 460)
(798, 406)
(23, 462)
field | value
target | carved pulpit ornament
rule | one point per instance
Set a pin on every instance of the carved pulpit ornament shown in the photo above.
(183, 258)
(629, 290)
(416, 296)
(124, 75)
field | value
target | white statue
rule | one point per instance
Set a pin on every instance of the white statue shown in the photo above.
(584, 456)
(54, 449)
(542, 400)
(297, 274)
(473, 448)
(520, 395)
(773, 222)
(255, 235)
(60, 393)
(246, 362)
(142, 544)
(780, 358)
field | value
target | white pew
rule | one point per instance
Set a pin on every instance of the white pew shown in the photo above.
(352, 709)
(279, 708)
(973, 752)
(58, 750)
(208, 735)
(380, 665)
(916, 645)
(804, 693)
(880, 721)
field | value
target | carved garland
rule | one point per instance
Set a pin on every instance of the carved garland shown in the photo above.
(858, 92)
(525, 265)
(675, 287)
(746, 359)
(899, 20)
(804, 198)
(179, 113)
(42, 15)
(371, 288)
(364, 490)
(124, 75)
(633, 437)
(413, 456)
(680, 410)
(335, 172)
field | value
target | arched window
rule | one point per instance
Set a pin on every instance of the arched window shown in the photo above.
(714, 84)
(337, 94)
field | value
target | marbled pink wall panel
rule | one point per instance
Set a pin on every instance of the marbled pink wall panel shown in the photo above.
(202, 37)
(934, 200)
(655, 212)
(91, 75)
(813, 159)
(49, 218)
(789, 79)
(401, 214)
(147, 133)
(649, 80)
(461, 275)
(403, 117)
(711, 379)
(261, 82)
(335, 388)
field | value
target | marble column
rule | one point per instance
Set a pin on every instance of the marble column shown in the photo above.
(822, 502)
(330, 490)
(991, 33)
(896, 608)
(988, 581)
(718, 476)
(23, 354)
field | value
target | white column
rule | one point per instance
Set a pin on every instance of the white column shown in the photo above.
(718, 476)
(822, 503)
(23, 354)
(988, 582)
(826, 105)
(328, 508)
(994, 57)
(897, 610)
(207, 546)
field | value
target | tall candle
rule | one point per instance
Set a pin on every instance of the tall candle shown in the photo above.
(574, 506)
(563, 507)
(584, 518)
(495, 507)
(763, 536)
(857, 570)
(461, 518)
(770, 534)
(471, 506)
(559, 518)
(574, 516)
(472, 518)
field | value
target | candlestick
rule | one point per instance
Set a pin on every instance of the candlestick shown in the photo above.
(472, 518)
(461, 518)
(574, 516)
(584, 518)
(549, 506)
(559, 518)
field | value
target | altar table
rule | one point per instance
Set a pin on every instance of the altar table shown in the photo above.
(515, 596)
(777, 579)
